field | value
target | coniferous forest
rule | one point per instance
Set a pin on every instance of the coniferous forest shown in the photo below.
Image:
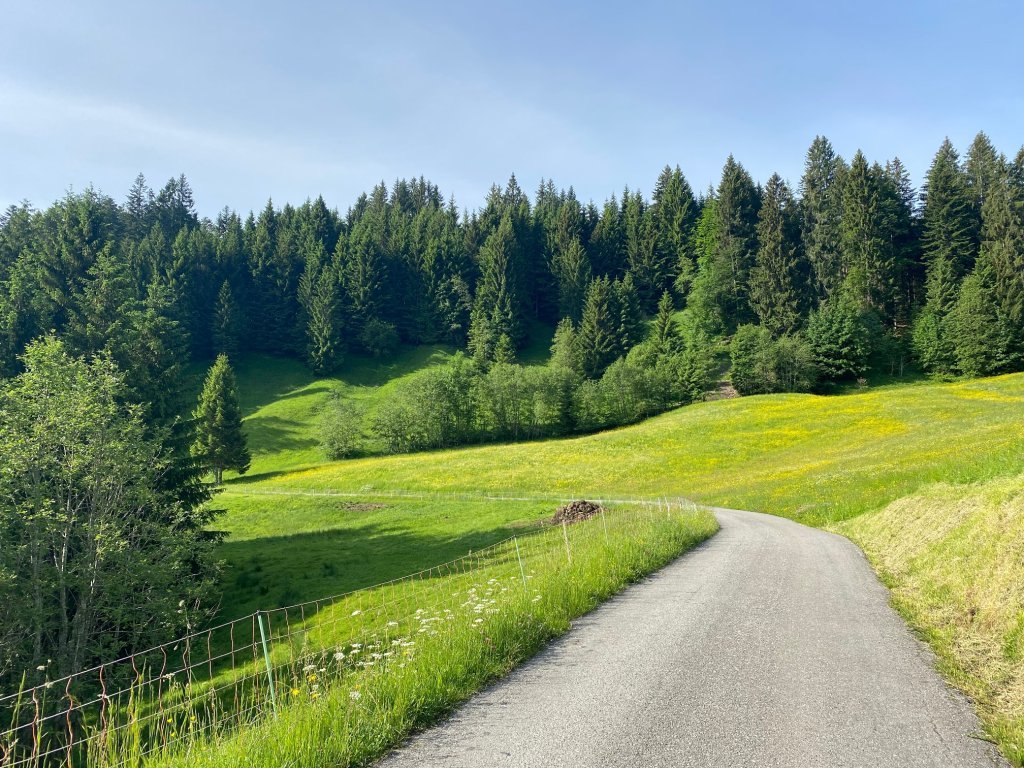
(853, 272)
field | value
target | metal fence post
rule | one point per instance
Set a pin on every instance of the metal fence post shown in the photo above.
(266, 659)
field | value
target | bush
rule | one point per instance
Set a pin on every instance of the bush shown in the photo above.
(378, 338)
(341, 425)
(761, 364)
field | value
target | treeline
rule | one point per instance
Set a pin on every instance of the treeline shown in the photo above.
(852, 271)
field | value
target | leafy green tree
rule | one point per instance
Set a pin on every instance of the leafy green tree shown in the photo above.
(379, 338)
(98, 559)
(340, 427)
(774, 290)
(220, 443)
(868, 257)
(498, 304)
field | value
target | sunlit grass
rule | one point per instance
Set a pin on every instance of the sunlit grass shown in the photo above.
(954, 559)
(813, 458)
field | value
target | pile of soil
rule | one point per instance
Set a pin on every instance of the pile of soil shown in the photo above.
(575, 511)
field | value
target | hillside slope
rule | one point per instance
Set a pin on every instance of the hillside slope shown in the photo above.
(954, 559)
(812, 458)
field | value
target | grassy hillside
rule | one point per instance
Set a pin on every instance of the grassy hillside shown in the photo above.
(300, 527)
(281, 400)
(816, 459)
(954, 559)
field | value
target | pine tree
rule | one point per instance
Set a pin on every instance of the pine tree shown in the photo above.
(674, 210)
(565, 351)
(736, 239)
(497, 298)
(774, 294)
(607, 245)
(504, 351)
(227, 323)
(320, 298)
(707, 298)
(220, 443)
(571, 269)
(1000, 263)
(626, 305)
(949, 237)
(867, 248)
(598, 337)
(664, 334)
(822, 207)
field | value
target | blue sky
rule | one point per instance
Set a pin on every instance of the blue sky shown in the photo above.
(254, 100)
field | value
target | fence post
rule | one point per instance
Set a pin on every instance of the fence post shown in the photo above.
(565, 535)
(266, 659)
(522, 571)
(604, 520)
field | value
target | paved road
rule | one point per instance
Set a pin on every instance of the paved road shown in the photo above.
(772, 644)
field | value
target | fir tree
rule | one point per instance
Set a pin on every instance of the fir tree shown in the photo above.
(868, 257)
(736, 239)
(598, 337)
(220, 443)
(571, 268)
(227, 323)
(674, 210)
(822, 207)
(774, 294)
(664, 333)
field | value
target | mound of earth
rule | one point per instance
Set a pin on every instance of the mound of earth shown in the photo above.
(575, 511)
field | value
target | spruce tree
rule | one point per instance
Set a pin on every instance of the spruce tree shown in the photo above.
(822, 207)
(571, 268)
(498, 303)
(227, 323)
(738, 202)
(949, 227)
(220, 443)
(664, 333)
(598, 337)
(867, 248)
(774, 295)
(675, 209)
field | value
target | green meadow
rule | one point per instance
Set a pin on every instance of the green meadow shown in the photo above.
(299, 527)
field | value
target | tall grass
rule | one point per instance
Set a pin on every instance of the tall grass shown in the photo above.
(352, 675)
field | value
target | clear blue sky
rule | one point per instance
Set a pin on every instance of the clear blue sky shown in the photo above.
(252, 100)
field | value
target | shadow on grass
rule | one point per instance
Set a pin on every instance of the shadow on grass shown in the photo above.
(272, 572)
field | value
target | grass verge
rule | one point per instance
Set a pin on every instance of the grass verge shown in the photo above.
(953, 557)
(451, 636)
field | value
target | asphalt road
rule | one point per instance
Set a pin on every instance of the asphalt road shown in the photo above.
(772, 644)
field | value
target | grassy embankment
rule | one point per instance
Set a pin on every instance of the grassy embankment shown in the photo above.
(820, 460)
(954, 559)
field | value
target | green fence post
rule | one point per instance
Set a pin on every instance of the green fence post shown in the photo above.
(266, 659)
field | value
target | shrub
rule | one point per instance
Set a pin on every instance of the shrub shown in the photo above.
(341, 425)
(379, 338)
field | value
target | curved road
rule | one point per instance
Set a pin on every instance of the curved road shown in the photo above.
(772, 644)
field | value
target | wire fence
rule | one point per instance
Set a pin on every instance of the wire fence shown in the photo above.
(161, 701)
